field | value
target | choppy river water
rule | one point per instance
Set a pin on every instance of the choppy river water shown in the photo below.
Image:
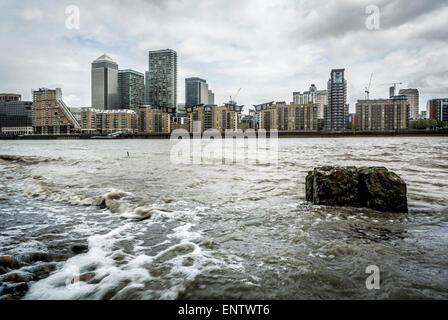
(216, 231)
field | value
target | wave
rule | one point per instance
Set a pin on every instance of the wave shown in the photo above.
(26, 159)
(112, 200)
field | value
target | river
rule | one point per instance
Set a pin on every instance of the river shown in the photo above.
(159, 230)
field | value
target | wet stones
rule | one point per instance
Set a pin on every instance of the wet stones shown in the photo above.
(7, 263)
(78, 249)
(371, 187)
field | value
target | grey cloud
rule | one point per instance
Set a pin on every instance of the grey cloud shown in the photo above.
(270, 48)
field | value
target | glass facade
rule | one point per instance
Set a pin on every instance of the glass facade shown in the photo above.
(162, 78)
(131, 89)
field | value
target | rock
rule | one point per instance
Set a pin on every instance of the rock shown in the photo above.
(382, 190)
(8, 262)
(80, 249)
(12, 277)
(340, 183)
(6, 297)
(16, 276)
(371, 187)
(87, 276)
(15, 289)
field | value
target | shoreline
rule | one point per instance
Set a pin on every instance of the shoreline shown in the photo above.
(281, 134)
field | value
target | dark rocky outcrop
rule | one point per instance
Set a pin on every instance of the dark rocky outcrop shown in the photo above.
(372, 187)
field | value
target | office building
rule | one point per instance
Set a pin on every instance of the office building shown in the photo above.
(50, 115)
(437, 109)
(162, 78)
(423, 114)
(108, 121)
(154, 120)
(248, 121)
(105, 84)
(146, 98)
(196, 92)
(131, 89)
(413, 99)
(382, 114)
(15, 115)
(181, 107)
(211, 97)
(336, 112)
(8, 97)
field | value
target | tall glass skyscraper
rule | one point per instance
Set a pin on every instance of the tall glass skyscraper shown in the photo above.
(131, 85)
(196, 92)
(162, 78)
(105, 84)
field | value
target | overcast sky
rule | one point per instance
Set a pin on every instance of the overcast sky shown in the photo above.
(268, 48)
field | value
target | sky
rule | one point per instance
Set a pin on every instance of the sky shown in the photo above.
(269, 48)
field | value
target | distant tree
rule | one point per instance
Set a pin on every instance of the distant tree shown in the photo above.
(423, 124)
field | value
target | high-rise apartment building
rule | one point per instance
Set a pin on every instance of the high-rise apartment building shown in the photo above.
(306, 96)
(413, 99)
(321, 102)
(162, 78)
(105, 84)
(131, 87)
(382, 114)
(318, 97)
(438, 109)
(50, 114)
(196, 92)
(336, 112)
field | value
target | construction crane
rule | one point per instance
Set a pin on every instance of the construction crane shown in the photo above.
(233, 100)
(368, 88)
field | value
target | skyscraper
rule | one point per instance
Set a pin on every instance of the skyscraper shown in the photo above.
(336, 112)
(146, 87)
(211, 97)
(413, 98)
(196, 92)
(162, 78)
(105, 83)
(131, 89)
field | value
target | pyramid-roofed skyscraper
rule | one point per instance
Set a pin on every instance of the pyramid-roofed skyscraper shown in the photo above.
(105, 83)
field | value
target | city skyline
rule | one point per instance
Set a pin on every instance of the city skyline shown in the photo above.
(269, 61)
